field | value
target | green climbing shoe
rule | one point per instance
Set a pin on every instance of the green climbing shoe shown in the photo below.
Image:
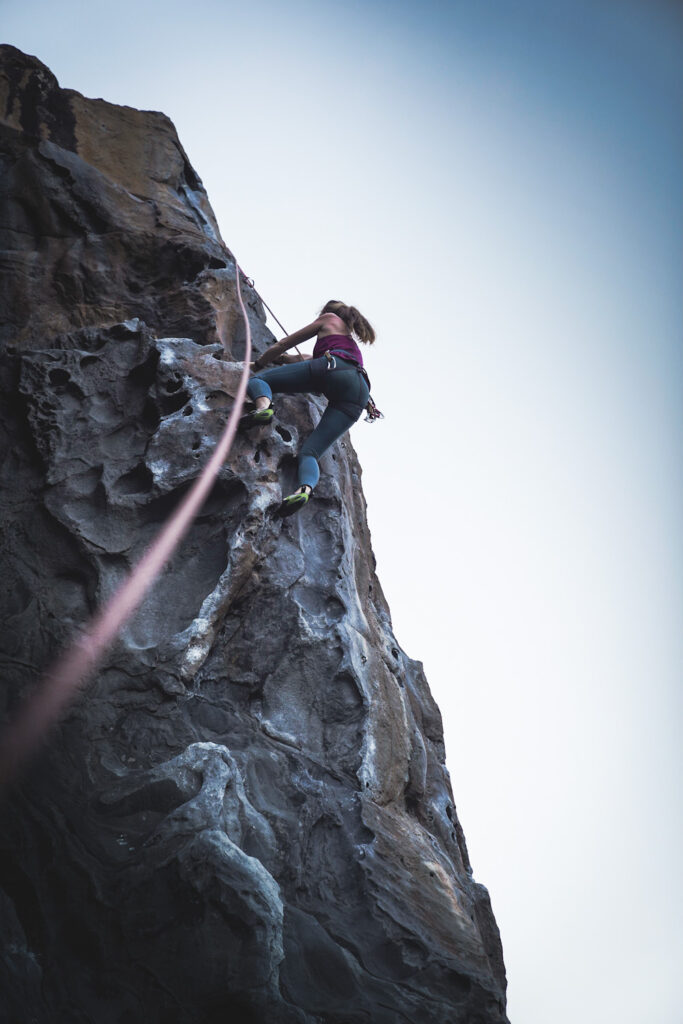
(293, 502)
(256, 418)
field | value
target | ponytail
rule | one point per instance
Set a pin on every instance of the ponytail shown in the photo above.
(354, 320)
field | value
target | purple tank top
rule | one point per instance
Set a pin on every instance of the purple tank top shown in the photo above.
(341, 343)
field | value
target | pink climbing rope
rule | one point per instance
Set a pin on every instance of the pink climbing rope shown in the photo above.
(73, 669)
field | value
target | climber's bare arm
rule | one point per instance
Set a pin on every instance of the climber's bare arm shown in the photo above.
(325, 324)
(280, 347)
(295, 357)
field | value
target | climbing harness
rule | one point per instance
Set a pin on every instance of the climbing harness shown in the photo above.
(372, 413)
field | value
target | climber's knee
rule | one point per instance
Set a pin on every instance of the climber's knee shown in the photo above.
(257, 388)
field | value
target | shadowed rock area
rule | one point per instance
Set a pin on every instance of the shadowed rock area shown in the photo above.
(247, 816)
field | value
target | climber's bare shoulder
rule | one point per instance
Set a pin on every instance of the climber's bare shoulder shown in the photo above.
(330, 323)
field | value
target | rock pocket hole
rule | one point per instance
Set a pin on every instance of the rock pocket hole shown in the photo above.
(196, 446)
(138, 481)
(58, 377)
(284, 434)
(188, 410)
(171, 403)
(145, 373)
(150, 414)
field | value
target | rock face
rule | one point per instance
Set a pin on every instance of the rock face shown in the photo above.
(247, 816)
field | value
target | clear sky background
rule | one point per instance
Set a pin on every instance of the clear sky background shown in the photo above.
(496, 184)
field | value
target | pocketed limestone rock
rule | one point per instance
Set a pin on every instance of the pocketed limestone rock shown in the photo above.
(247, 815)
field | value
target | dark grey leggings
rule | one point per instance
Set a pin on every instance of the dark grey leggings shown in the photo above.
(345, 389)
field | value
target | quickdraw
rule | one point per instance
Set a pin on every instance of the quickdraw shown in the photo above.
(372, 413)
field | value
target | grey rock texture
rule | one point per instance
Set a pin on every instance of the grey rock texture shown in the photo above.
(247, 816)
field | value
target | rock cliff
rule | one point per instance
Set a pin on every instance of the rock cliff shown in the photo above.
(247, 816)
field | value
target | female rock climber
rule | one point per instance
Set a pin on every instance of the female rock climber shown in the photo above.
(335, 370)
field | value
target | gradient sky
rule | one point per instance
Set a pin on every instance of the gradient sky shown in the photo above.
(497, 186)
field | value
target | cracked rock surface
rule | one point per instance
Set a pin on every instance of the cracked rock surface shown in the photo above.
(247, 816)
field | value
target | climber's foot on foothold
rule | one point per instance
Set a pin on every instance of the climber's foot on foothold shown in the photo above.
(257, 417)
(293, 502)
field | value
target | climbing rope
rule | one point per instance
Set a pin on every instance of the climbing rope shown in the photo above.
(264, 303)
(76, 665)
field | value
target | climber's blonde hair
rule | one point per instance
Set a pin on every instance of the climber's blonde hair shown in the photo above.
(352, 318)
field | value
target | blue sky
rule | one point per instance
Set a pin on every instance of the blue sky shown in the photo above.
(497, 185)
